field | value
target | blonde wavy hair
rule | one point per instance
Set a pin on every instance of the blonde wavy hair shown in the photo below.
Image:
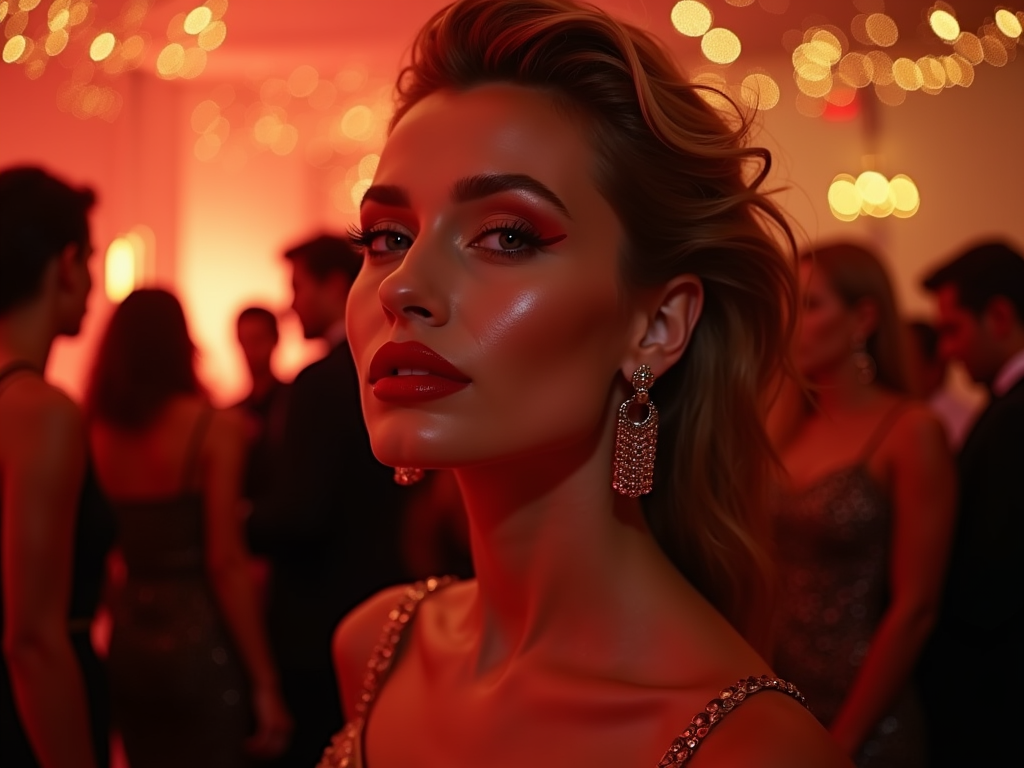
(687, 191)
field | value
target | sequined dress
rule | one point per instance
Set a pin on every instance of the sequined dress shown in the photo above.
(178, 688)
(346, 748)
(833, 540)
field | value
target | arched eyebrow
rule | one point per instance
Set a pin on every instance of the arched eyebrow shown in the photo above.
(471, 188)
(477, 187)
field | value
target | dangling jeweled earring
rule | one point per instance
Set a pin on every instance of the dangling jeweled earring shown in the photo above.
(408, 475)
(636, 441)
(865, 363)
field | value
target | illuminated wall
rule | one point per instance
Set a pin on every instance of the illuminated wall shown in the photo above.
(224, 197)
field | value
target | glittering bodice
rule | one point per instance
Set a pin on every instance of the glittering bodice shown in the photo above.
(833, 543)
(345, 750)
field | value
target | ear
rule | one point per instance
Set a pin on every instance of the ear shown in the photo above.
(664, 325)
(66, 266)
(1000, 317)
(865, 318)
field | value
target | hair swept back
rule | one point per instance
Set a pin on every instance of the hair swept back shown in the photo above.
(676, 173)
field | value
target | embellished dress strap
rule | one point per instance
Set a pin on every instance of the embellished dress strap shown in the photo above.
(345, 748)
(688, 741)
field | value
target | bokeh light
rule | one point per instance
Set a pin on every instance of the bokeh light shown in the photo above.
(1008, 24)
(303, 81)
(171, 60)
(881, 30)
(843, 198)
(212, 36)
(759, 91)
(197, 20)
(720, 45)
(905, 195)
(14, 49)
(357, 123)
(102, 46)
(120, 268)
(944, 24)
(691, 18)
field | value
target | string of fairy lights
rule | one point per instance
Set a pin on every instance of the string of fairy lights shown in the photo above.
(827, 71)
(337, 120)
(97, 48)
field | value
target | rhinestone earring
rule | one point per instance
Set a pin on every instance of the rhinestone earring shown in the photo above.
(865, 363)
(636, 441)
(408, 475)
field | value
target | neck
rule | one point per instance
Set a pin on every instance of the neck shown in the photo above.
(26, 334)
(554, 548)
(840, 389)
(262, 383)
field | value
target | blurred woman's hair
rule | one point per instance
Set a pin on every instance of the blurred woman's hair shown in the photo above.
(687, 191)
(857, 275)
(145, 358)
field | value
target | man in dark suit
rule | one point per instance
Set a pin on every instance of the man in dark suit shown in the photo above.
(974, 659)
(330, 526)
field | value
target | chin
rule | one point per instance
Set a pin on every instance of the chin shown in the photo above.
(402, 440)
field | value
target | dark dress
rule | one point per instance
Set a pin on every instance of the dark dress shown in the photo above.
(94, 533)
(330, 531)
(179, 691)
(833, 542)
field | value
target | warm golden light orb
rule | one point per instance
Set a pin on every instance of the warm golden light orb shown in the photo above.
(873, 187)
(102, 46)
(691, 18)
(881, 29)
(119, 270)
(198, 19)
(14, 48)
(944, 24)
(759, 91)
(171, 60)
(905, 195)
(1008, 24)
(720, 45)
(843, 198)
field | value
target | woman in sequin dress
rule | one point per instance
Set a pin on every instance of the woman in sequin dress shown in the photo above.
(191, 675)
(558, 219)
(864, 526)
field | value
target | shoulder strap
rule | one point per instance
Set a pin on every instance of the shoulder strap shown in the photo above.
(887, 422)
(384, 654)
(192, 451)
(14, 367)
(688, 741)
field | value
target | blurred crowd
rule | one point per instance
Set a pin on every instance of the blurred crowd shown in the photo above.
(225, 545)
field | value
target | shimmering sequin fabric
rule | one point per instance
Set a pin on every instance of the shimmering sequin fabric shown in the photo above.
(345, 750)
(833, 540)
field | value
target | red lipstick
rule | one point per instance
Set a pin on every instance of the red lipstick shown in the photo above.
(411, 372)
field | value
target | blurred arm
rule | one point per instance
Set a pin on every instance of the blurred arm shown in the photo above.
(923, 494)
(227, 564)
(44, 464)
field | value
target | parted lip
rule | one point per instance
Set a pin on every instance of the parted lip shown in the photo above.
(412, 358)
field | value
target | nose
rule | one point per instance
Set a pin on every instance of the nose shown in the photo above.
(419, 288)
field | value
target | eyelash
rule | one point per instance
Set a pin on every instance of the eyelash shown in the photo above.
(532, 241)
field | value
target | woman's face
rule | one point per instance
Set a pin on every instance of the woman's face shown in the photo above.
(828, 327)
(491, 261)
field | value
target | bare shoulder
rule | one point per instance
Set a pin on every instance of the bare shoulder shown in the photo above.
(355, 638)
(917, 436)
(39, 418)
(770, 730)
